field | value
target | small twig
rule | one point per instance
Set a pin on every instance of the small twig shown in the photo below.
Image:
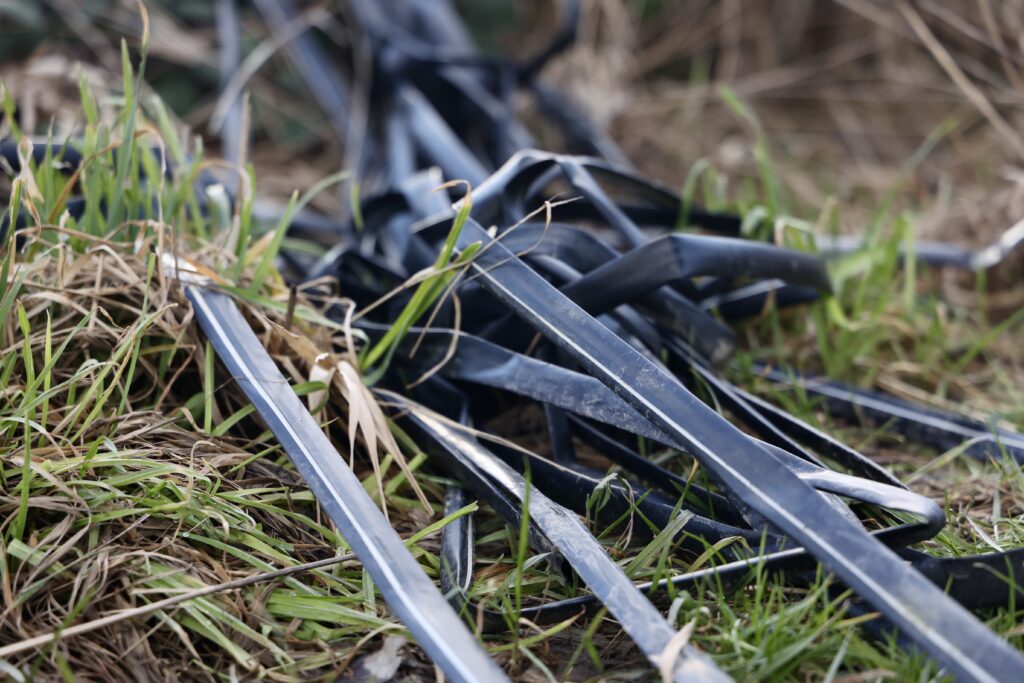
(290, 313)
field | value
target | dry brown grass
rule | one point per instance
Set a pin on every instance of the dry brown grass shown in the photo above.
(845, 91)
(134, 504)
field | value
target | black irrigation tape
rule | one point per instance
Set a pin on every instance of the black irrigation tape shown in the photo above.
(943, 253)
(480, 362)
(937, 428)
(623, 326)
(637, 616)
(398, 576)
(761, 485)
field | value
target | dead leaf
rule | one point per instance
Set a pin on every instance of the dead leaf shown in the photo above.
(383, 664)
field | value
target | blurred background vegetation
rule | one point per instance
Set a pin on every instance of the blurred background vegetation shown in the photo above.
(844, 91)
